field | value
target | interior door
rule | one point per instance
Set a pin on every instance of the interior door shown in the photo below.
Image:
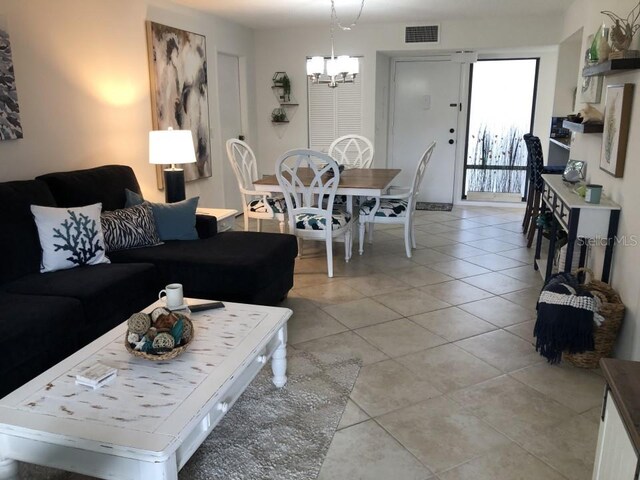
(231, 121)
(426, 103)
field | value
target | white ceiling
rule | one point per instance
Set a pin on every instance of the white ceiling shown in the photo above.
(262, 14)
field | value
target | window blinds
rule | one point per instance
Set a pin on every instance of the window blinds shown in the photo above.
(333, 112)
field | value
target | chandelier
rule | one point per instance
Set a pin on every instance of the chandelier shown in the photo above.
(334, 70)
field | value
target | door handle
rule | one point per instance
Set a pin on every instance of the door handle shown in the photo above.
(451, 141)
(451, 130)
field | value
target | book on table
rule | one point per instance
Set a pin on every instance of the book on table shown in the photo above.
(96, 375)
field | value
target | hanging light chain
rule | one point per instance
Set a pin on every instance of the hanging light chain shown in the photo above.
(334, 14)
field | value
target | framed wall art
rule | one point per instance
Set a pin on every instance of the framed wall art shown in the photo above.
(10, 126)
(617, 114)
(179, 91)
(591, 89)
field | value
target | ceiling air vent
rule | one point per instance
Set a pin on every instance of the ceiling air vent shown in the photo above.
(422, 34)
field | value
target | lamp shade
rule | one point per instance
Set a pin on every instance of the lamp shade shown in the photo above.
(171, 147)
(354, 66)
(343, 64)
(332, 67)
(315, 66)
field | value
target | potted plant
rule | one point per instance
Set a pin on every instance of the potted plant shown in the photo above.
(281, 81)
(286, 89)
(278, 115)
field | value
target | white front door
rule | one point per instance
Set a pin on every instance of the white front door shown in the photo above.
(231, 122)
(426, 103)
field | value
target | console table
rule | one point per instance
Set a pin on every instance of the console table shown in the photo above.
(580, 219)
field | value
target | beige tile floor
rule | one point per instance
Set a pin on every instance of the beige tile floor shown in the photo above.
(451, 386)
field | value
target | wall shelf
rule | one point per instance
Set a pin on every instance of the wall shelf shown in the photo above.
(583, 127)
(287, 104)
(611, 67)
(564, 143)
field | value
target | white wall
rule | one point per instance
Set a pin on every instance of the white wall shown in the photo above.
(287, 49)
(83, 86)
(383, 68)
(569, 54)
(626, 274)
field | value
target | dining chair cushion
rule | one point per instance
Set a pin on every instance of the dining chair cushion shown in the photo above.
(308, 221)
(277, 204)
(389, 207)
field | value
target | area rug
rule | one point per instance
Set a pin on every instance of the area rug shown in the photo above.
(269, 433)
(434, 207)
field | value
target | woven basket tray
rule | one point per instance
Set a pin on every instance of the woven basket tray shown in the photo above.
(604, 336)
(166, 355)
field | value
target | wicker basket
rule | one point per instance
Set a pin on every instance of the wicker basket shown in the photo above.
(604, 336)
(173, 353)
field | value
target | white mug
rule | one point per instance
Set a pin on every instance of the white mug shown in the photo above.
(173, 296)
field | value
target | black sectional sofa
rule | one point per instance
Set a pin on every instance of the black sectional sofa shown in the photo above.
(45, 317)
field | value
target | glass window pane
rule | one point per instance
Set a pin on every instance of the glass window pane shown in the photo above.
(495, 181)
(501, 110)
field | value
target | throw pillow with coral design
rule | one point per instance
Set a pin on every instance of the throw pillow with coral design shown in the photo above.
(69, 237)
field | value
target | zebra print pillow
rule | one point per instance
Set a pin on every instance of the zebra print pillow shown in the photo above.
(130, 227)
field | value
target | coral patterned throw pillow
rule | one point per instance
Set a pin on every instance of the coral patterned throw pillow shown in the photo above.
(69, 237)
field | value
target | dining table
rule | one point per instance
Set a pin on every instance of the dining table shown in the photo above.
(354, 182)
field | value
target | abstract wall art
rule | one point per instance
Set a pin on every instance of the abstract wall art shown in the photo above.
(179, 91)
(10, 126)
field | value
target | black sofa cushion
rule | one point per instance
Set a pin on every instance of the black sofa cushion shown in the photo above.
(36, 332)
(19, 241)
(84, 187)
(108, 293)
(245, 267)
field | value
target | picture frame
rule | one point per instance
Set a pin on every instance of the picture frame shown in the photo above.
(591, 89)
(617, 115)
(179, 91)
(575, 171)
(10, 125)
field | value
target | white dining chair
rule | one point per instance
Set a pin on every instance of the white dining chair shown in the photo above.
(395, 208)
(352, 151)
(258, 205)
(306, 178)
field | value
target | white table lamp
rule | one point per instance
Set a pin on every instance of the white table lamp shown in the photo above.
(171, 147)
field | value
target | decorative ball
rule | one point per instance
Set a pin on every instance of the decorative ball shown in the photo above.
(165, 322)
(187, 331)
(157, 312)
(164, 341)
(151, 333)
(139, 323)
(133, 338)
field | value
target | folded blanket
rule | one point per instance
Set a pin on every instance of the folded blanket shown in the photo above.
(565, 318)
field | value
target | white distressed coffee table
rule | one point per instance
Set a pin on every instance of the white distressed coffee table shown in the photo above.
(148, 422)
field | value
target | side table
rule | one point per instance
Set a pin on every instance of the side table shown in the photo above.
(579, 219)
(226, 217)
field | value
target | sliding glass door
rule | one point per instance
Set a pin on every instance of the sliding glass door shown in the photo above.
(503, 94)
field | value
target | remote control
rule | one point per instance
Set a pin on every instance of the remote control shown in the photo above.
(206, 306)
